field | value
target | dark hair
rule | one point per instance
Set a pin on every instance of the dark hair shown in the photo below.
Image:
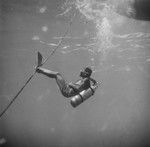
(88, 70)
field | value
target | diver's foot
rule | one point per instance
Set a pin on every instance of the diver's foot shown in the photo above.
(38, 69)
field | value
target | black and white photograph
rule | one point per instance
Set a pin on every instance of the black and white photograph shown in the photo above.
(74, 73)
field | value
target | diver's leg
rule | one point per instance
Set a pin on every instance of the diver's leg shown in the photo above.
(49, 73)
(65, 89)
(62, 84)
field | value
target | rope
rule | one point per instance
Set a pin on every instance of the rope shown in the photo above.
(29, 79)
(15, 97)
(60, 42)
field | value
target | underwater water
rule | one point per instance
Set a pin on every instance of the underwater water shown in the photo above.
(111, 36)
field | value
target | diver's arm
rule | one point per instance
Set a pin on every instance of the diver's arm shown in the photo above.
(74, 87)
(85, 84)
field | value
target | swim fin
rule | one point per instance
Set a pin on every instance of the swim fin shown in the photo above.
(40, 59)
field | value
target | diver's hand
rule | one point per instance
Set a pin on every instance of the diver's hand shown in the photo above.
(73, 86)
(98, 83)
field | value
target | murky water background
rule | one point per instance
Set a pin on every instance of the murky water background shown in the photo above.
(110, 36)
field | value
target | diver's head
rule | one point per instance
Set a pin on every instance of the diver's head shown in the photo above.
(86, 72)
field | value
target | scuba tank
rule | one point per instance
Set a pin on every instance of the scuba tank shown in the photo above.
(83, 95)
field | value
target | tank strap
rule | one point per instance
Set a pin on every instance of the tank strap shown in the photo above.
(81, 97)
(92, 90)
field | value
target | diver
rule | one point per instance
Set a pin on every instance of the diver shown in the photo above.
(70, 89)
